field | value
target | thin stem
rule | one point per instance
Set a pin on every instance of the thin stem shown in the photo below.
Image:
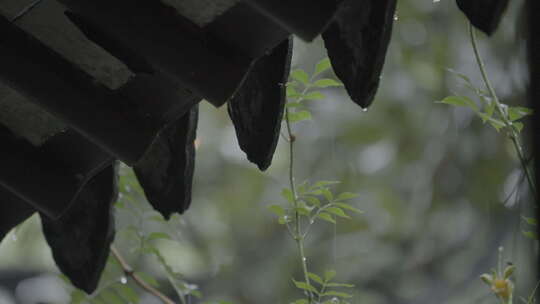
(298, 237)
(499, 107)
(130, 273)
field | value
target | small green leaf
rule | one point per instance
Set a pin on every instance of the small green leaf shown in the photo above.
(349, 207)
(322, 66)
(346, 195)
(277, 210)
(302, 210)
(147, 278)
(299, 116)
(315, 278)
(515, 113)
(336, 294)
(327, 217)
(337, 211)
(305, 286)
(127, 293)
(339, 285)
(531, 235)
(329, 275)
(292, 104)
(301, 76)
(315, 95)
(291, 91)
(77, 296)
(518, 126)
(326, 82)
(300, 301)
(487, 278)
(489, 109)
(312, 200)
(460, 101)
(530, 220)
(327, 194)
(320, 184)
(287, 194)
(158, 236)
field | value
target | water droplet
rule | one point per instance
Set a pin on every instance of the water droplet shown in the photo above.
(335, 300)
(364, 109)
(286, 218)
(304, 259)
(123, 280)
(311, 221)
(396, 17)
(128, 188)
(14, 237)
(435, 1)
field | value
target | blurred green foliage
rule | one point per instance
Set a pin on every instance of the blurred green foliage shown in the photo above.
(441, 191)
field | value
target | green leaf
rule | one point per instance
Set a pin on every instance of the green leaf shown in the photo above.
(302, 210)
(460, 101)
(337, 211)
(291, 91)
(110, 297)
(322, 66)
(518, 126)
(346, 195)
(158, 236)
(495, 123)
(300, 301)
(312, 200)
(349, 207)
(515, 113)
(277, 210)
(315, 95)
(531, 235)
(301, 76)
(305, 286)
(327, 217)
(288, 195)
(329, 275)
(293, 104)
(77, 296)
(327, 194)
(147, 278)
(320, 184)
(315, 278)
(489, 109)
(530, 220)
(340, 285)
(336, 294)
(127, 293)
(326, 82)
(299, 116)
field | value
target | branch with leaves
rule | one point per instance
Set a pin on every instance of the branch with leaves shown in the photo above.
(307, 203)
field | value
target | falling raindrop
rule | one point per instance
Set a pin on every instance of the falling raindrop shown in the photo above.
(123, 280)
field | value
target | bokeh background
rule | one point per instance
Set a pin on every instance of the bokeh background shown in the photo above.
(441, 191)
